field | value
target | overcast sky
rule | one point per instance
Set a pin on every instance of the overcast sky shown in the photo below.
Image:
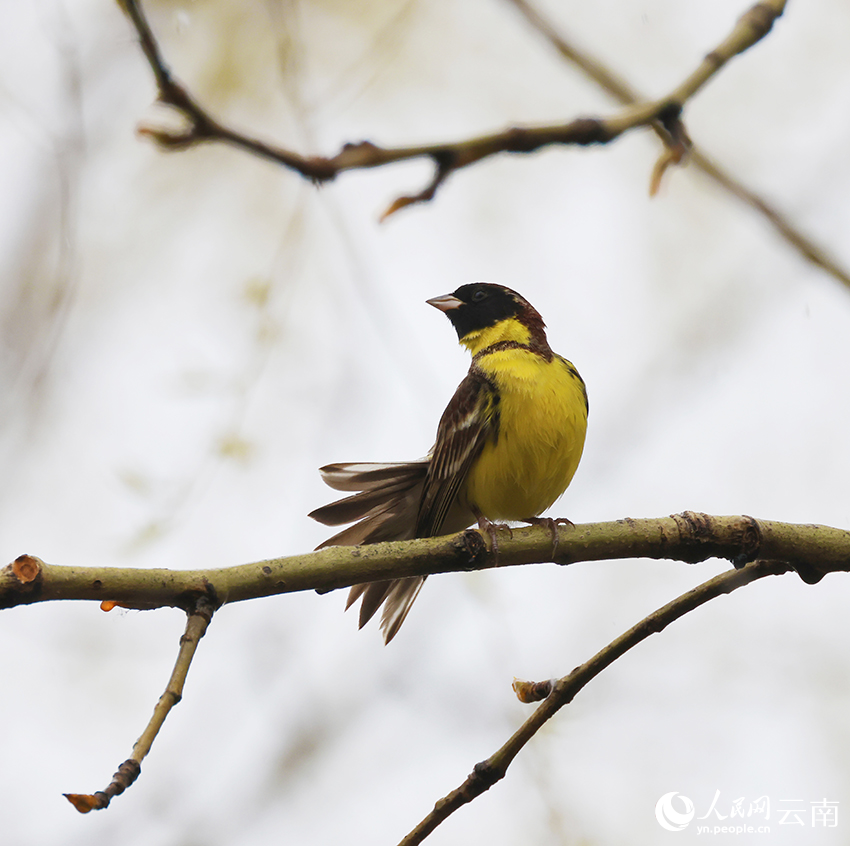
(185, 338)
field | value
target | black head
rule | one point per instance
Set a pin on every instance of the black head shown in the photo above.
(481, 305)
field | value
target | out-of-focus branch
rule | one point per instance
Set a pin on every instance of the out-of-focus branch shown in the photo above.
(196, 626)
(486, 773)
(663, 114)
(811, 550)
(626, 95)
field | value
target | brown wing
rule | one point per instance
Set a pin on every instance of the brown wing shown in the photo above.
(471, 417)
(400, 501)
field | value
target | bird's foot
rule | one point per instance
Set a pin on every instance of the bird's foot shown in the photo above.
(491, 529)
(552, 523)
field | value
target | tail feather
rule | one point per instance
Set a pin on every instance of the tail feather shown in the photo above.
(384, 526)
(367, 503)
(360, 476)
(385, 506)
(397, 597)
(397, 604)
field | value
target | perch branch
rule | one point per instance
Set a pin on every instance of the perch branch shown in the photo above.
(486, 773)
(663, 114)
(626, 95)
(811, 550)
(196, 626)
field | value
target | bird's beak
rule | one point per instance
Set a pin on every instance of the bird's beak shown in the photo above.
(445, 303)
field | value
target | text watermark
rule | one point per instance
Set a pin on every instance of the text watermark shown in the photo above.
(676, 812)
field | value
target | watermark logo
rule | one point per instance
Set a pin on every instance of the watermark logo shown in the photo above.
(670, 818)
(675, 812)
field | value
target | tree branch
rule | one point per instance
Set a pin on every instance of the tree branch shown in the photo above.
(196, 626)
(448, 157)
(486, 773)
(811, 550)
(757, 548)
(626, 95)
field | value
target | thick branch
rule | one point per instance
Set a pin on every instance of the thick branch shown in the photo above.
(451, 156)
(486, 773)
(770, 548)
(691, 537)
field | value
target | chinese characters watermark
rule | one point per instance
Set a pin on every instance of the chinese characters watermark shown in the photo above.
(676, 812)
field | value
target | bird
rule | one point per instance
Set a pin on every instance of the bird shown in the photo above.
(507, 446)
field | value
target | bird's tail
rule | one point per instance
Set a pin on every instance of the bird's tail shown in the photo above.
(385, 507)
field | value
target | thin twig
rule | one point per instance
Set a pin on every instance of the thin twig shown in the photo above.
(486, 773)
(626, 95)
(663, 114)
(196, 626)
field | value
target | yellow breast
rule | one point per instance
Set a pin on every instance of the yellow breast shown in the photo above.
(542, 423)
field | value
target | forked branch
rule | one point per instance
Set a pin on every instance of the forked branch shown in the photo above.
(757, 548)
(663, 113)
(626, 95)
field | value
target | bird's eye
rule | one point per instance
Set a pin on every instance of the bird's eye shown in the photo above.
(478, 296)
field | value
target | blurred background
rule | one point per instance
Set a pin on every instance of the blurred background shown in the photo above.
(187, 337)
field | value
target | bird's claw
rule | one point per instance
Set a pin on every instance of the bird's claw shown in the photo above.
(552, 523)
(491, 529)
